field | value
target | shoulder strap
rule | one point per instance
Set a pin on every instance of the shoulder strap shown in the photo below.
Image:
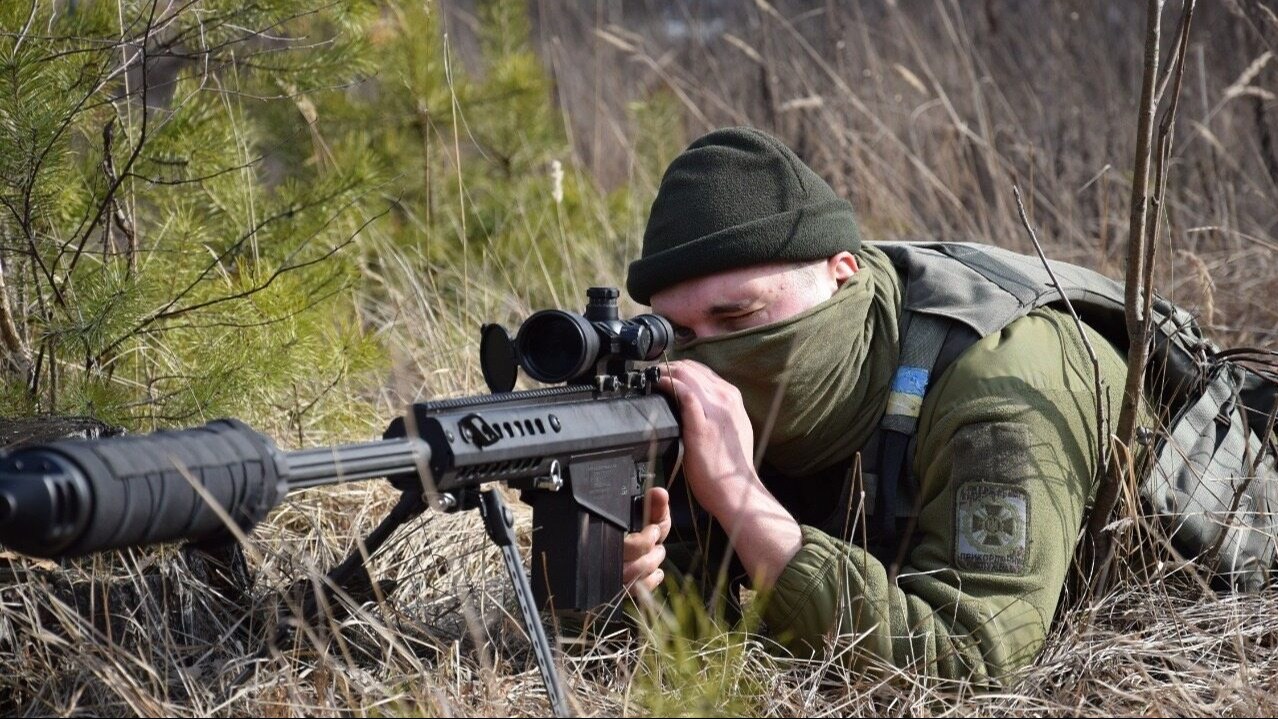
(929, 343)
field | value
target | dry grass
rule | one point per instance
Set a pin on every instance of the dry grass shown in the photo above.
(153, 635)
(924, 114)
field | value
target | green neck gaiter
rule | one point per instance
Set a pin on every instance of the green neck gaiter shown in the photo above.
(816, 384)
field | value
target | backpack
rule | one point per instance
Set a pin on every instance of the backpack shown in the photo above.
(1213, 479)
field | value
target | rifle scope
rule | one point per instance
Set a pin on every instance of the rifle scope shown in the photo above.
(555, 346)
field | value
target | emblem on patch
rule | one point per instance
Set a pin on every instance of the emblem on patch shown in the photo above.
(992, 523)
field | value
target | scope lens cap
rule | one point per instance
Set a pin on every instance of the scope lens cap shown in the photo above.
(498, 358)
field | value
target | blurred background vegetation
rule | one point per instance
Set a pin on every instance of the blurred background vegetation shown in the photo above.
(288, 212)
(299, 212)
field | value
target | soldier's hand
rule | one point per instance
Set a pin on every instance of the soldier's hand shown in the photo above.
(718, 464)
(643, 550)
(718, 438)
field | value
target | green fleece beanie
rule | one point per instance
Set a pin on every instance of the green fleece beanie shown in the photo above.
(738, 197)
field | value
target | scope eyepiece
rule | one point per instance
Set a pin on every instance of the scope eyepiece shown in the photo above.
(660, 332)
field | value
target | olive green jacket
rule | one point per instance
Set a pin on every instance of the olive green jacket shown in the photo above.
(1006, 461)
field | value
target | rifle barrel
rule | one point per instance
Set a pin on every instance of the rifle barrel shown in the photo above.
(320, 466)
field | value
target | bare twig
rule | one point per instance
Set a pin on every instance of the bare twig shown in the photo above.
(1136, 323)
(1100, 390)
(25, 215)
(122, 220)
(109, 198)
(1166, 130)
(424, 126)
(1142, 240)
(26, 27)
(171, 308)
(16, 349)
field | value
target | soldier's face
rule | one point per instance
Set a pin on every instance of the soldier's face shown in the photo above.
(749, 296)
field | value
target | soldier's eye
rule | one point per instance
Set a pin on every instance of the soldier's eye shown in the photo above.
(744, 320)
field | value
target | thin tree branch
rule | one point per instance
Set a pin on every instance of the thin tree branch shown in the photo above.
(1100, 391)
(16, 348)
(1142, 243)
(1107, 496)
(26, 27)
(170, 309)
(121, 219)
(109, 198)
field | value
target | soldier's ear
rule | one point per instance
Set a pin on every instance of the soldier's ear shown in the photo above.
(841, 267)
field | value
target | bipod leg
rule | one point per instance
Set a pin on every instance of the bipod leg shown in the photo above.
(501, 528)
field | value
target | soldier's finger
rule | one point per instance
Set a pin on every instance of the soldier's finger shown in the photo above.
(659, 511)
(642, 567)
(690, 404)
(637, 544)
(652, 581)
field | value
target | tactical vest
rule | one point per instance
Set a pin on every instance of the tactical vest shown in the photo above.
(1211, 471)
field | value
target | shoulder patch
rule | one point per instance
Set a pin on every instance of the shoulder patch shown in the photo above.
(992, 526)
(991, 452)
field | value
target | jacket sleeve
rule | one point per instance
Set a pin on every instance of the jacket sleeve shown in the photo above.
(1006, 458)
